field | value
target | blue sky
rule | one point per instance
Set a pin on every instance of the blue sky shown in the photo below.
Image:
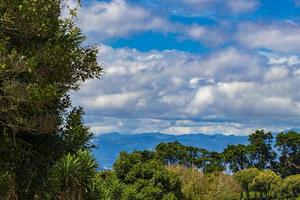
(192, 66)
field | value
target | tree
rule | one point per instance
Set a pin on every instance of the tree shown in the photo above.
(210, 161)
(176, 153)
(260, 148)
(148, 177)
(170, 153)
(289, 146)
(42, 58)
(237, 157)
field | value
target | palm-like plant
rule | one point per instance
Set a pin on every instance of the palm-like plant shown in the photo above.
(73, 175)
(113, 189)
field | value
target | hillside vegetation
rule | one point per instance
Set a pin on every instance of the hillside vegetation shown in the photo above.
(46, 149)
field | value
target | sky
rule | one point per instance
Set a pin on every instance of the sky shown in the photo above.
(192, 66)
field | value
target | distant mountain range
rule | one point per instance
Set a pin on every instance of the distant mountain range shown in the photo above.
(110, 145)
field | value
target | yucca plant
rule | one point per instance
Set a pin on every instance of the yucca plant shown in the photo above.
(113, 188)
(95, 191)
(73, 176)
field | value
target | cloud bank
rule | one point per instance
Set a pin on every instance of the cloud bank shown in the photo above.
(227, 87)
(223, 66)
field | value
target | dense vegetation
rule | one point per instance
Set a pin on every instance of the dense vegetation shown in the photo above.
(45, 147)
(254, 171)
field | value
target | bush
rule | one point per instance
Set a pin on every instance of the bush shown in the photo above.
(290, 187)
(199, 186)
(147, 177)
(73, 176)
(245, 178)
(265, 183)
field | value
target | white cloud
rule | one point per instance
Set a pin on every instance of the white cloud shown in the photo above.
(196, 32)
(238, 6)
(113, 101)
(285, 60)
(276, 73)
(210, 128)
(104, 20)
(241, 99)
(223, 65)
(282, 37)
(194, 82)
(148, 90)
(204, 97)
(119, 19)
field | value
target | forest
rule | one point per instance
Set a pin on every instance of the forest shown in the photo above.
(45, 147)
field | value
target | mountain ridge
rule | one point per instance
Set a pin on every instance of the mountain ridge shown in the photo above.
(110, 145)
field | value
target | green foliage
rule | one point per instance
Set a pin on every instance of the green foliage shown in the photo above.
(289, 188)
(44, 145)
(237, 156)
(199, 186)
(245, 178)
(149, 177)
(76, 135)
(211, 162)
(289, 146)
(42, 58)
(260, 149)
(73, 175)
(113, 188)
(265, 183)
(176, 153)
(194, 183)
(126, 162)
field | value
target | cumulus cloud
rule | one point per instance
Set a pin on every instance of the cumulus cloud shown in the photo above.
(244, 100)
(106, 20)
(120, 19)
(154, 91)
(278, 37)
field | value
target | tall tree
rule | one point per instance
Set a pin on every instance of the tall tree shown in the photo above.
(170, 153)
(42, 58)
(260, 147)
(211, 161)
(289, 146)
(237, 157)
(176, 153)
